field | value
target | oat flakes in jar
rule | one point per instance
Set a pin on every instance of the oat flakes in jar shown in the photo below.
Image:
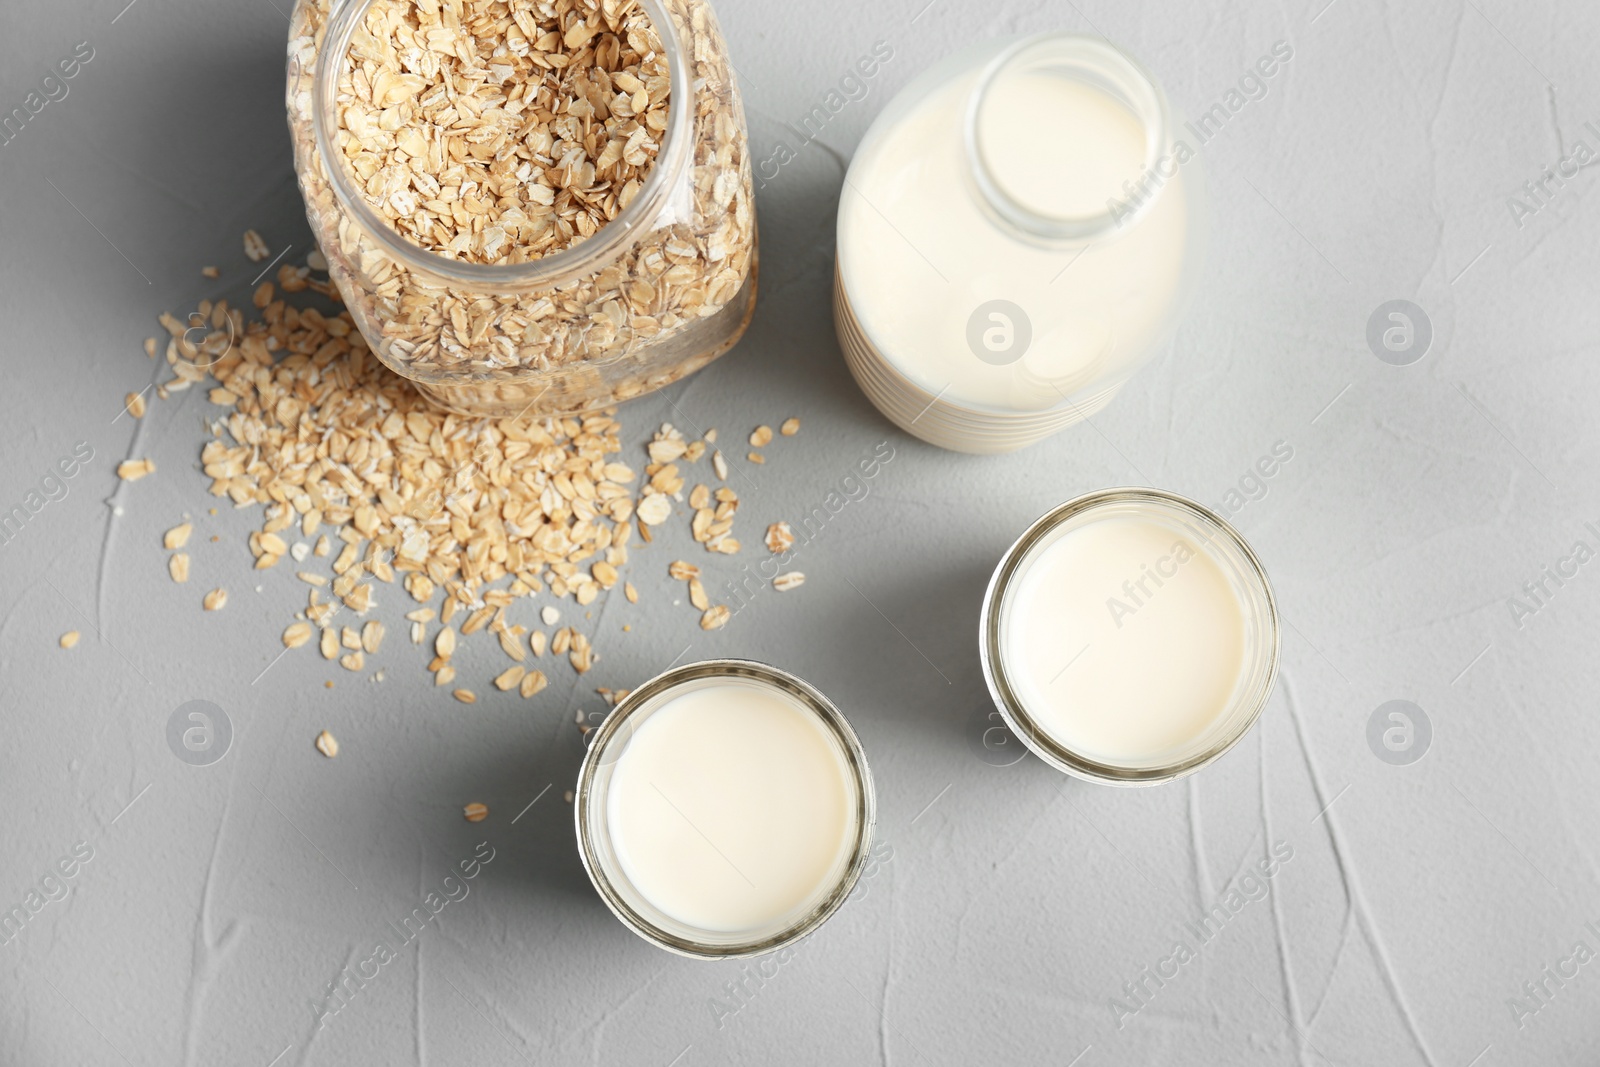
(530, 206)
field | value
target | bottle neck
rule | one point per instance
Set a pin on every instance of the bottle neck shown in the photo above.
(1065, 136)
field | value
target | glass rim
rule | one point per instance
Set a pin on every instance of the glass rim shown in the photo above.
(1245, 710)
(1143, 96)
(566, 265)
(647, 693)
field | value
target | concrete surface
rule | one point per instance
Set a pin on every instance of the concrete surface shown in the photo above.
(1011, 910)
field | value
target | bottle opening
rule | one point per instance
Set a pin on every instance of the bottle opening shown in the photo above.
(1064, 136)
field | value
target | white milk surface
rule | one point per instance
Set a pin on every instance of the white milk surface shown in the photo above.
(732, 808)
(1124, 640)
(1058, 147)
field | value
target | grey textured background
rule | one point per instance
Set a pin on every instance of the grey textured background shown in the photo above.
(1015, 903)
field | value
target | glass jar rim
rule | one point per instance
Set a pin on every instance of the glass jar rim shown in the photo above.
(650, 694)
(1244, 712)
(559, 267)
(1121, 76)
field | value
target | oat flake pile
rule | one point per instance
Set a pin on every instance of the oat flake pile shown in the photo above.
(366, 488)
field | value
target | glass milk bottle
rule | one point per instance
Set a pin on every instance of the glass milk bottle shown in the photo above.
(1018, 233)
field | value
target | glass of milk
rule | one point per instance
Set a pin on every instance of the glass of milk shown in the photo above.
(1018, 233)
(724, 809)
(1130, 637)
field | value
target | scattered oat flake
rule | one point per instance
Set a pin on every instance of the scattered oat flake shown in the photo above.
(69, 639)
(756, 457)
(327, 744)
(533, 682)
(630, 592)
(654, 509)
(785, 582)
(790, 427)
(133, 469)
(697, 595)
(466, 696)
(716, 618)
(510, 678)
(761, 436)
(210, 272)
(297, 634)
(683, 571)
(719, 465)
(666, 450)
(511, 643)
(550, 614)
(178, 566)
(780, 538)
(178, 536)
(476, 812)
(215, 600)
(255, 247)
(134, 402)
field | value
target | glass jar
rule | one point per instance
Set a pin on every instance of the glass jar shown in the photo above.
(700, 760)
(1019, 232)
(1163, 678)
(655, 294)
